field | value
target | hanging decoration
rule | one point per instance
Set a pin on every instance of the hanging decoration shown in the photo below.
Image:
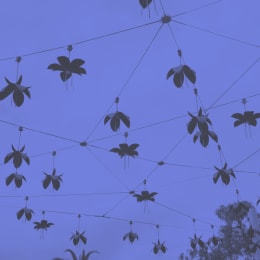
(180, 72)
(15, 88)
(116, 117)
(17, 156)
(52, 178)
(131, 236)
(67, 67)
(26, 212)
(79, 236)
(158, 246)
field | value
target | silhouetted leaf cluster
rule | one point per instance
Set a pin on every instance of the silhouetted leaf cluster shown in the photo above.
(68, 67)
(79, 237)
(145, 196)
(54, 179)
(115, 119)
(131, 236)
(159, 247)
(18, 156)
(43, 224)
(179, 73)
(18, 91)
(25, 212)
(196, 241)
(249, 117)
(202, 122)
(224, 173)
(126, 150)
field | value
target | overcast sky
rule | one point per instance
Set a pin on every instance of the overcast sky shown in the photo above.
(128, 52)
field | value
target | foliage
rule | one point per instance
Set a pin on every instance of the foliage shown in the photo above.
(16, 178)
(237, 237)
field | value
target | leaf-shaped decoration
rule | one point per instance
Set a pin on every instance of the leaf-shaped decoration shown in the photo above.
(18, 91)
(224, 173)
(25, 212)
(77, 237)
(115, 119)
(52, 178)
(159, 247)
(126, 150)
(145, 196)
(249, 117)
(145, 3)
(131, 236)
(67, 67)
(17, 178)
(179, 73)
(18, 156)
(43, 224)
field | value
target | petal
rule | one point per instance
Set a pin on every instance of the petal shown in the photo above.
(19, 81)
(55, 67)
(216, 177)
(64, 61)
(189, 73)
(17, 161)
(238, 116)
(46, 182)
(26, 158)
(213, 136)
(225, 178)
(18, 97)
(8, 157)
(192, 124)
(178, 79)
(115, 122)
(204, 140)
(56, 184)
(65, 75)
(125, 119)
(27, 92)
(9, 179)
(6, 91)
(20, 213)
(170, 73)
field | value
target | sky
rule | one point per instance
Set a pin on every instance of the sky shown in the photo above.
(128, 52)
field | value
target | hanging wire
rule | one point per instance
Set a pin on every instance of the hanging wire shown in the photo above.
(217, 34)
(234, 83)
(127, 80)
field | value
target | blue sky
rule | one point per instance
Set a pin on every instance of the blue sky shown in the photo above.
(220, 41)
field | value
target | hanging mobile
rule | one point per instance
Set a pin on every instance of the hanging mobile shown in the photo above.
(66, 67)
(18, 156)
